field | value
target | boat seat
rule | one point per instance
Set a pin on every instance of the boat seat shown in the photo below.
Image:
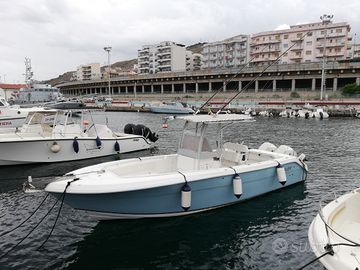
(234, 154)
(46, 128)
(266, 146)
(99, 130)
(287, 150)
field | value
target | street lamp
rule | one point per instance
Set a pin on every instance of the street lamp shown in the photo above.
(108, 50)
(326, 19)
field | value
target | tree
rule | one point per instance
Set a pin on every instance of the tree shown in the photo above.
(350, 89)
(295, 94)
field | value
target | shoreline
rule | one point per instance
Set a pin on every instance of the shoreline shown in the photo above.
(333, 108)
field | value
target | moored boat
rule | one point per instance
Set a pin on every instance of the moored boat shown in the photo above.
(12, 116)
(289, 112)
(319, 113)
(204, 174)
(34, 93)
(334, 234)
(170, 108)
(66, 138)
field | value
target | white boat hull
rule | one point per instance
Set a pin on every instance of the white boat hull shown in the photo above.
(30, 150)
(170, 108)
(130, 189)
(341, 234)
(11, 122)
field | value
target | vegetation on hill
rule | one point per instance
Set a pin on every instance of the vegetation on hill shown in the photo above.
(62, 78)
(196, 48)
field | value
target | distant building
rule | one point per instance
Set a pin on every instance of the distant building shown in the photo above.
(88, 72)
(193, 61)
(228, 53)
(266, 47)
(164, 57)
(8, 90)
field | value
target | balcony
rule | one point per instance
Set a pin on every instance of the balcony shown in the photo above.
(295, 38)
(295, 57)
(297, 48)
(328, 44)
(264, 42)
(332, 54)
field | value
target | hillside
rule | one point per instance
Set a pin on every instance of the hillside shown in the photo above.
(62, 78)
(125, 65)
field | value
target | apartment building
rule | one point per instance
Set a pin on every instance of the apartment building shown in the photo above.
(229, 53)
(88, 72)
(164, 57)
(302, 43)
(193, 61)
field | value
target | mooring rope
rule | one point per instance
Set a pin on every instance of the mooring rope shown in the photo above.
(58, 214)
(331, 252)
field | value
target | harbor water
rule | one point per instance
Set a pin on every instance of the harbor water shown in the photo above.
(269, 232)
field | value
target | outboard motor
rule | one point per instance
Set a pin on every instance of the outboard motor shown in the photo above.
(306, 115)
(146, 132)
(129, 128)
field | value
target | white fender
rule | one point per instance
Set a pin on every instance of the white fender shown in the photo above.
(55, 147)
(281, 174)
(237, 185)
(185, 197)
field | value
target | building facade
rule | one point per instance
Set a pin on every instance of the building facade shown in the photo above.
(193, 61)
(88, 72)
(8, 90)
(164, 57)
(302, 43)
(229, 53)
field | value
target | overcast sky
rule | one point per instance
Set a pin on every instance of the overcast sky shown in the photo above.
(59, 35)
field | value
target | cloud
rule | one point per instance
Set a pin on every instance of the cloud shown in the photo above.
(59, 35)
(282, 27)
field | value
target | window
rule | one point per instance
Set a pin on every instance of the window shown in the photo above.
(285, 54)
(338, 50)
(299, 35)
(286, 36)
(298, 53)
(308, 52)
(276, 55)
(277, 38)
(309, 43)
(309, 34)
(338, 31)
(286, 45)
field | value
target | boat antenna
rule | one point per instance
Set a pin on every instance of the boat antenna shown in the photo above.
(28, 72)
(227, 82)
(260, 74)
